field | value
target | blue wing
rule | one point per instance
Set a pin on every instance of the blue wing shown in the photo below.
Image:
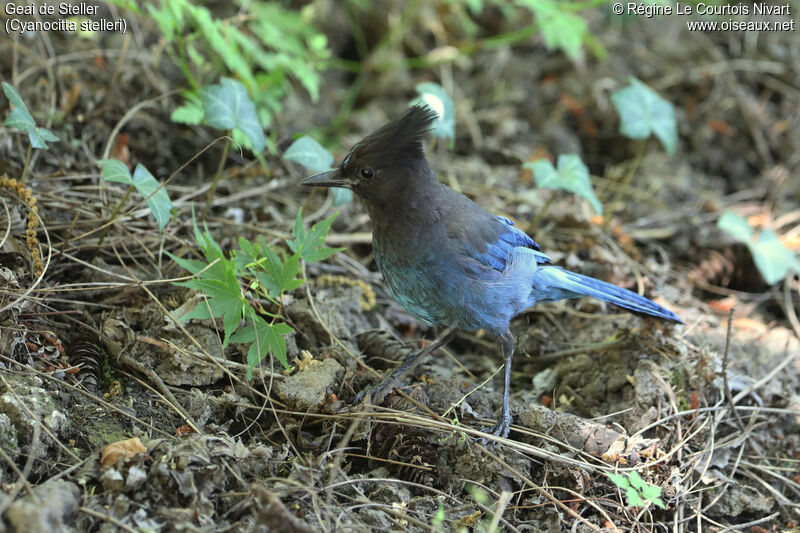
(491, 240)
(510, 237)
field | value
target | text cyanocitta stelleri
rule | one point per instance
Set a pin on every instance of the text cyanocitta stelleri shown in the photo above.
(448, 261)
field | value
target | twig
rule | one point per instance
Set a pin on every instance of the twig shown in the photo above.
(502, 503)
(728, 395)
(746, 525)
(758, 384)
(162, 387)
(788, 305)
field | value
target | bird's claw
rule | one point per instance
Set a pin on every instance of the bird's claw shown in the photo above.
(376, 393)
(501, 429)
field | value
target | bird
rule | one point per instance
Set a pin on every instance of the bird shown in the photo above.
(449, 262)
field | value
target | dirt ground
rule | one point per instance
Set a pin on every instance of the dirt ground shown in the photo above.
(708, 411)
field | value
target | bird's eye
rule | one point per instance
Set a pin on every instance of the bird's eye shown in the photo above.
(367, 173)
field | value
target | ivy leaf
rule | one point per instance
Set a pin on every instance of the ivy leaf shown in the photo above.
(156, 196)
(737, 226)
(309, 244)
(434, 96)
(341, 196)
(643, 113)
(310, 154)
(228, 107)
(116, 171)
(572, 175)
(316, 158)
(21, 119)
(148, 186)
(772, 258)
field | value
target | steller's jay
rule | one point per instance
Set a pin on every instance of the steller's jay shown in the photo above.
(448, 261)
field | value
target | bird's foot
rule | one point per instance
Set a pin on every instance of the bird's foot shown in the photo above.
(376, 393)
(501, 429)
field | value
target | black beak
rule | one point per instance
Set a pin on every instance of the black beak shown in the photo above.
(330, 178)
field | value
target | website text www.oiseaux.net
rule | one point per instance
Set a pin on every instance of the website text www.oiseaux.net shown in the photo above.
(783, 20)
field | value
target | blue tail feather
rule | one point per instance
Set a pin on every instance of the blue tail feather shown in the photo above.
(553, 283)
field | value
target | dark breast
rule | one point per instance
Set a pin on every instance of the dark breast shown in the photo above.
(425, 275)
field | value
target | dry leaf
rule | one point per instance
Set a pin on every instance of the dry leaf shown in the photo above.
(123, 449)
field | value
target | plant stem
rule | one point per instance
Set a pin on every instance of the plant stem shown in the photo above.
(184, 64)
(217, 177)
(632, 168)
(372, 63)
(114, 214)
(27, 161)
(545, 208)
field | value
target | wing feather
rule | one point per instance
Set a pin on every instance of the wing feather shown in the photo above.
(490, 240)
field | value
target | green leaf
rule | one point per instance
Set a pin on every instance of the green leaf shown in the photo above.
(636, 480)
(735, 225)
(341, 196)
(619, 480)
(634, 499)
(637, 490)
(772, 258)
(266, 338)
(564, 31)
(170, 18)
(227, 106)
(309, 244)
(287, 277)
(219, 281)
(561, 29)
(293, 44)
(210, 247)
(572, 175)
(21, 119)
(190, 112)
(116, 171)
(225, 297)
(248, 254)
(192, 265)
(275, 277)
(316, 158)
(148, 186)
(310, 154)
(156, 196)
(643, 113)
(435, 97)
(652, 493)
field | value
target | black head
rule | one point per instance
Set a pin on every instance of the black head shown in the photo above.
(386, 161)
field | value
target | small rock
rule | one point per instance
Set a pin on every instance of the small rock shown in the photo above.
(53, 505)
(308, 389)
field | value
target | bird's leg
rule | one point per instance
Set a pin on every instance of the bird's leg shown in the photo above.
(503, 426)
(379, 391)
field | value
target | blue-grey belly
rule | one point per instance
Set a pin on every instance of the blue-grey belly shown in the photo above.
(445, 293)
